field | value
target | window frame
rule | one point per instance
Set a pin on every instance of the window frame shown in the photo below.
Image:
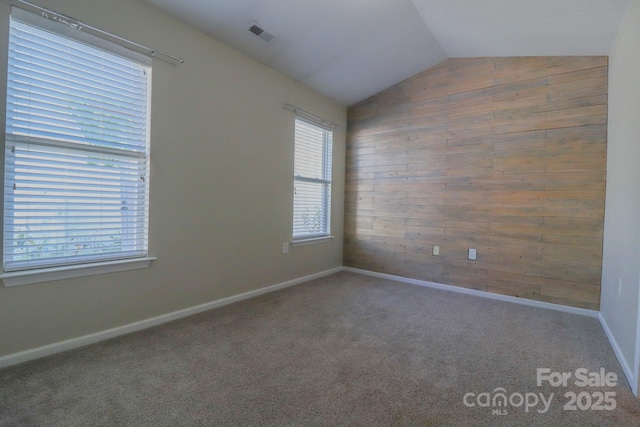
(303, 239)
(97, 265)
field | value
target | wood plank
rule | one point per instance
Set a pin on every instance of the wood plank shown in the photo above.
(505, 155)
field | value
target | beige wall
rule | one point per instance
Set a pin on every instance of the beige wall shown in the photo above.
(621, 259)
(221, 186)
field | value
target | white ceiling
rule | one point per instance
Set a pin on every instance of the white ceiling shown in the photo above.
(352, 49)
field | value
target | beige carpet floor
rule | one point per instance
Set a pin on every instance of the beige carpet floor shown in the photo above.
(343, 350)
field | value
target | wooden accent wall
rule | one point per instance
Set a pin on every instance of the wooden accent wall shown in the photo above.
(504, 155)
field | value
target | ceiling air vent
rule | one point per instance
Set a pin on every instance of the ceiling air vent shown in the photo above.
(255, 29)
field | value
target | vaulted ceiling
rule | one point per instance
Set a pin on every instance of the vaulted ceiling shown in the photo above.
(352, 49)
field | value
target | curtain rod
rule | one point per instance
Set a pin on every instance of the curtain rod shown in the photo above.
(79, 25)
(308, 115)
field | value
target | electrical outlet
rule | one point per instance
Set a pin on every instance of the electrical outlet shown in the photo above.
(285, 248)
(436, 250)
(472, 254)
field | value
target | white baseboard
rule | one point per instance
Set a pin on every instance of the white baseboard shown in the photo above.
(36, 353)
(507, 298)
(628, 372)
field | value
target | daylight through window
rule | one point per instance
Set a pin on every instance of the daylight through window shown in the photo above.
(76, 150)
(312, 180)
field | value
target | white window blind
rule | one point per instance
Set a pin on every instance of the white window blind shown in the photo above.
(76, 149)
(312, 180)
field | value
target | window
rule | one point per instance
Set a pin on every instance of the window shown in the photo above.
(76, 149)
(312, 180)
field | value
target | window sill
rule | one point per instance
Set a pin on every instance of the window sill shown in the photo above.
(311, 241)
(68, 272)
